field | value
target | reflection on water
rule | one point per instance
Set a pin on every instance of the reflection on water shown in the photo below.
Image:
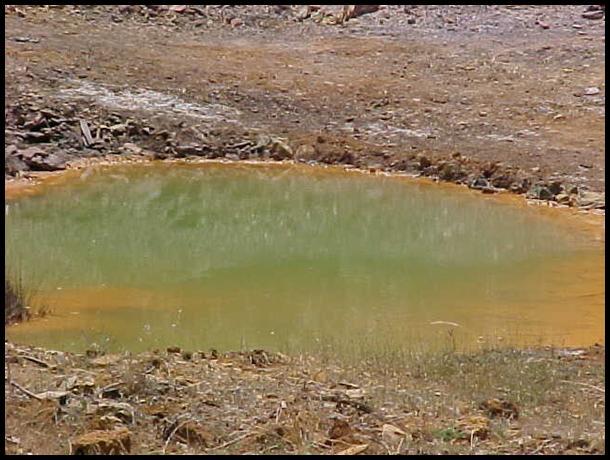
(232, 256)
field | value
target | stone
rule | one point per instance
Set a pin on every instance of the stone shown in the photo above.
(119, 128)
(449, 171)
(544, 25)
(50, 162)
(563, 198)
(178, 8)
(591, 91)
(479, 183)
(190, 149)
(105, 442)
(131, 149)
(305, 152)
(424, 162)
(339, 429)
(353, 11)
(14, 165)
(280, 150)
(593, 14)
(587, 199)
(502, 181)
(555, 187)
(540, 192)
(121, 410)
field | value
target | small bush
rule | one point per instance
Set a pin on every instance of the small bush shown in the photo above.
(15, 308)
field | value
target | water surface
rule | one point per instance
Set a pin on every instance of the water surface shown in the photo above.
(288, 258)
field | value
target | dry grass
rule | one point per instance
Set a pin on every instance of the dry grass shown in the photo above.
(259, 402)
(15, 301)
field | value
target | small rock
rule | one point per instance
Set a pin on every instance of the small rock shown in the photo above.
(540, 192)
(187, 355)
(178, 8)
(588, 199)
(544, 25)
(14, 165)
(591, 91)
(236, 22)
(173, 349)
(305, 152)
(563, 198)
(121, 410)
(593, 14)
(424, 162)
(479, 183)
(26, 40)
(131, 149)
(102, 442)
(36, 136)
(280, 150)
(119, 128)
(555, 187)
(51, 162)
(502, 181)
(448, 172)
(339, 429)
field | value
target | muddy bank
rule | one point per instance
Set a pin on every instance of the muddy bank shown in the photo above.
(368, 93)
(187, 401)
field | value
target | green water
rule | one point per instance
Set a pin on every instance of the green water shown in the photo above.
(281, 258)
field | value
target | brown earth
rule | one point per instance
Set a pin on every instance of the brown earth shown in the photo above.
(502, 97)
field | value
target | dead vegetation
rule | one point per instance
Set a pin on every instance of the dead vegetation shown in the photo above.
(15, 303)
(496, 401)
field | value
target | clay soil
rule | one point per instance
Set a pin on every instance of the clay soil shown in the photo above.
(492, 97)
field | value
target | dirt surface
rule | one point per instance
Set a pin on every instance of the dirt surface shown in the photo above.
(176, 401)
(495, 97)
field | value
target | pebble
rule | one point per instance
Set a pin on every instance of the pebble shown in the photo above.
(591, 91)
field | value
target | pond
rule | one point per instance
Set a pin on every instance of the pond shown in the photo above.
(294, 258)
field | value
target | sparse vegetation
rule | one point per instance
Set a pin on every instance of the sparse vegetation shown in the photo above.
(494, 401)
(15, 302)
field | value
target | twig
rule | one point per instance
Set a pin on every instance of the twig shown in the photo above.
(40, 362)
(169, 438)
(233, 441)
(585, 385)
(26, 391)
